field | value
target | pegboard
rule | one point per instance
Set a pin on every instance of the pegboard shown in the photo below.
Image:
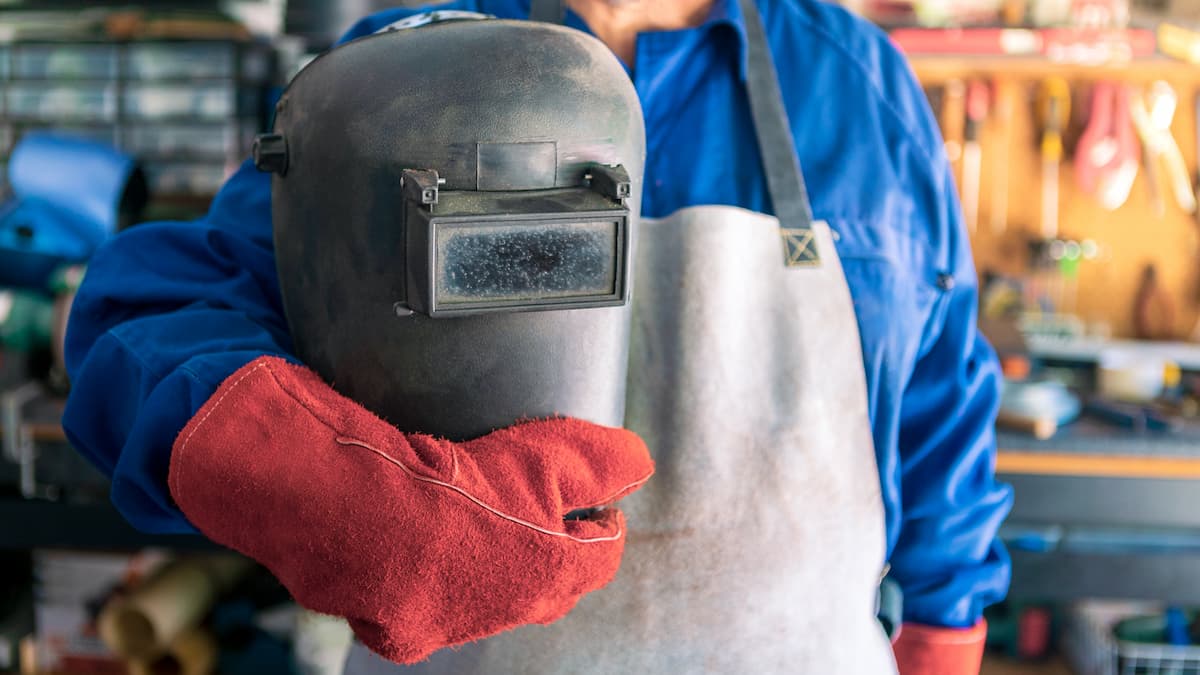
(1129, 237)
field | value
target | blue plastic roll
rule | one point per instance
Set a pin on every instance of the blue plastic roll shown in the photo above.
(81, 178)
(66, 201)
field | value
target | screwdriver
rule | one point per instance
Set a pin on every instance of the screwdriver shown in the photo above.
(1054, 107)
(1003, 106)
(972, 157)
(952, 116)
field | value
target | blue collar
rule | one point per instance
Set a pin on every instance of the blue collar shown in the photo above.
(729, 13)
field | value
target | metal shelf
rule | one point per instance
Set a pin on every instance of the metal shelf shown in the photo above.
(1061, 576)
(31, 523)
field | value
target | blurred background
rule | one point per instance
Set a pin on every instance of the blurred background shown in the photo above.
(1072, 129)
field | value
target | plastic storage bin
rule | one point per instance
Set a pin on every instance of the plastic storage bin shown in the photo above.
(196, 60)
(64, 61)
(189, 178)
(188, 109)
(53, 102)
(1104, 639)
(189, 141)
(201, 101)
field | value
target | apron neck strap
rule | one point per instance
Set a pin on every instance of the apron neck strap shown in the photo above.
(776, 145)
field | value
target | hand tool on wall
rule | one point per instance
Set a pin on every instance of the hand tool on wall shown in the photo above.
(1195, 249)
(1003, 98)
(1153, 183)
(953, 116)
(1153, 311)
(1163, 104)
(1150, 160)
(1152, 115)
(972, 160)
(1195, 121)
(1106, 157)
(1196, 126)
(933, 94)
(1054, 111)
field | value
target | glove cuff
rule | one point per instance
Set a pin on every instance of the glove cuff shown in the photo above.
(933, 650)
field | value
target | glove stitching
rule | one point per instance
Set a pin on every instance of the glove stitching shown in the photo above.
(321, 419)
(478, 502)
(216, 405)
(622, 491)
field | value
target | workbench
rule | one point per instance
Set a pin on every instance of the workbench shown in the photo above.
(1104, 512)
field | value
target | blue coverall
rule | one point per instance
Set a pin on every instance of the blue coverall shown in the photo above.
(169, 310)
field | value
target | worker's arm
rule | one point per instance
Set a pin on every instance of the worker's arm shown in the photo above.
(420, 543)
(947, 557)
(166, 312)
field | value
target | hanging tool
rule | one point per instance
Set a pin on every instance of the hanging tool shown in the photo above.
(1153, 311)
(1106, 157)
(1054, 109)
(934, 96)
(1152, 115)
(1196, 120)
(1163, 104)
(1196, 267)
(1003, 105)
(1153, 182)
(972, 159)
(953, 115)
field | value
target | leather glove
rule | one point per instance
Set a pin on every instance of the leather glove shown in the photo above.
(931, 650)
(421, 543)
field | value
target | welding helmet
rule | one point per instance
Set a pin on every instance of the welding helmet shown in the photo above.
(454, 207)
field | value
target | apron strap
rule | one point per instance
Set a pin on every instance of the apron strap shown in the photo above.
(776, 145)
(549, 11)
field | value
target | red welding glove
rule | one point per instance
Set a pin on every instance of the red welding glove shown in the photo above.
(930, 650)
(421, 543)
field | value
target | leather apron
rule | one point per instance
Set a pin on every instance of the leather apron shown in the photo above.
(758, 545)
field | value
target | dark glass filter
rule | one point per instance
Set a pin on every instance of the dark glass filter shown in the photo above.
(525, 261)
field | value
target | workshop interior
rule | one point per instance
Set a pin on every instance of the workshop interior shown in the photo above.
(1071, 128)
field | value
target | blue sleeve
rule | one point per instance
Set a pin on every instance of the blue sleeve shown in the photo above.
(947, 557)
(166, 312)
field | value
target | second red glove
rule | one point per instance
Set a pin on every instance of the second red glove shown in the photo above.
(932, 650)
(419, 542)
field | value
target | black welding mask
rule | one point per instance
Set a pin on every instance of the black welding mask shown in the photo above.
(454, 207)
